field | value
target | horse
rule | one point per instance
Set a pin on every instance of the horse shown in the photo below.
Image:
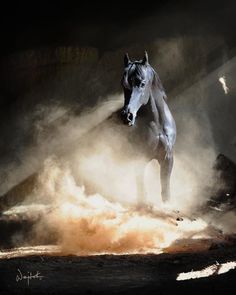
(145, 109)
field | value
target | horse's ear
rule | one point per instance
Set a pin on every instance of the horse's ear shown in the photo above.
(145, 58)
(126, 60)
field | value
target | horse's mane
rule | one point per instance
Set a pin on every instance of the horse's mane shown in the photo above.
(157, 83)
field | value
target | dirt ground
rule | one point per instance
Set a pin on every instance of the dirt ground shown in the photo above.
(116, 274)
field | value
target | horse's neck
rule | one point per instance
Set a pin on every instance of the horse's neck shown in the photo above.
(157, 102)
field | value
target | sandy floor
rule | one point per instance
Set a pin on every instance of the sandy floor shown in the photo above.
(33, 270)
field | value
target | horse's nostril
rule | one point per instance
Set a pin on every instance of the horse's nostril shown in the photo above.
(123, 112)
(129, 117)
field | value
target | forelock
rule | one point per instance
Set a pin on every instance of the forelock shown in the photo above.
(136, 69)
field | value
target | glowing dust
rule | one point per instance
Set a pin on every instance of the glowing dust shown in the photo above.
(222, 80)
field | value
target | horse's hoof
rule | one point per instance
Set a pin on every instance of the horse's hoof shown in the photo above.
(165, 200)
(179, 219)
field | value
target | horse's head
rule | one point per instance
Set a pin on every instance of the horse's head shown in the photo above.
(136, 83)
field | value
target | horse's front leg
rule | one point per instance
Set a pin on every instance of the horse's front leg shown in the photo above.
(166, 164)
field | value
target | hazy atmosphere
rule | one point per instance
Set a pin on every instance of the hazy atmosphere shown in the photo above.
(70, 168)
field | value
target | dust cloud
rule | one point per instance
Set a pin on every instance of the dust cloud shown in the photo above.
(91, 224)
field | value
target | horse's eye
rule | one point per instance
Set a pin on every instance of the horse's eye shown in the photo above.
(142, 84)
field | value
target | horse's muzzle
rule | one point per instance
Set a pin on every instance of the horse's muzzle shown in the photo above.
(128, 117)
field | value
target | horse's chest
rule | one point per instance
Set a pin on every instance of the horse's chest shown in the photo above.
(143, 136)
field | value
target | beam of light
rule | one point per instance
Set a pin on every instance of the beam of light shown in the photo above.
(222, 80)
(215, 269)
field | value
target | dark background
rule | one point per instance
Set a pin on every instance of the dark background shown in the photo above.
(33, 24)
